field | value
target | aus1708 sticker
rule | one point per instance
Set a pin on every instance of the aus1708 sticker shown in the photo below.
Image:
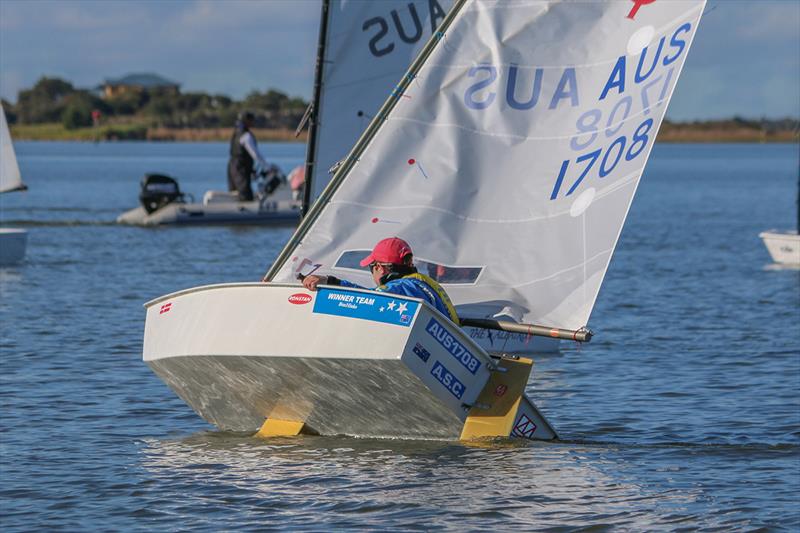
(456, 349)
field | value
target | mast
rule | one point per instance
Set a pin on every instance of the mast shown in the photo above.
(311, 147)
(363, 142)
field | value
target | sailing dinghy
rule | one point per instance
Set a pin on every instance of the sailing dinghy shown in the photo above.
(12, 240)
(508, 156)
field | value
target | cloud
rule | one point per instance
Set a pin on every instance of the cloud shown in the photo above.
(238, 15)
(745, 59)
(769, 20)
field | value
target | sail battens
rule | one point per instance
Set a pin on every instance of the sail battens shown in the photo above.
(417, 209)
(529, 173)
(639, 115)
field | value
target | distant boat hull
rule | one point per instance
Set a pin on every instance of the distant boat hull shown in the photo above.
(784, 247)
(341, 364)
(12, 245)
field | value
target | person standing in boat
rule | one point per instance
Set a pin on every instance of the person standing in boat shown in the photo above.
(244, 154)
(392, 266)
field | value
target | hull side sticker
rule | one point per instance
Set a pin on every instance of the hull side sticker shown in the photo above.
(524, 427)
(455, 348)
(375, 307)
(448, 380)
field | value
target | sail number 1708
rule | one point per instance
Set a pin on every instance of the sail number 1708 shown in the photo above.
(609, 158)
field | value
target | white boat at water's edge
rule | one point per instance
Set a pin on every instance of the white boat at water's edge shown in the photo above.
(783, 247)
(13, 241)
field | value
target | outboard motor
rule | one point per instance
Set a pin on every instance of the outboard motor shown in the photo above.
(157, 191)
(268, 180)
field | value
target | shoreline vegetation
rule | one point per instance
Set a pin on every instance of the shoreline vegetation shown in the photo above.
(147, 107)
(722, 131)
(133, 132)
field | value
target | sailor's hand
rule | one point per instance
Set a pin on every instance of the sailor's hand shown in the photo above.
(311, 282)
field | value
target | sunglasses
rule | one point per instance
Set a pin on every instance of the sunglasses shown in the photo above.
(374, 264)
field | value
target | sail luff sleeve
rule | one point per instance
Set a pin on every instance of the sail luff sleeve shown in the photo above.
(310, 218)
(311, 149)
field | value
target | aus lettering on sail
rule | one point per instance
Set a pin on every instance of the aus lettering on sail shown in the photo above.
(504, 86)
(404, 24)
(604, 111)
(611, 137)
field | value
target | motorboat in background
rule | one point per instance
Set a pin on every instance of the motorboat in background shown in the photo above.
(13, 241)
(162, 203)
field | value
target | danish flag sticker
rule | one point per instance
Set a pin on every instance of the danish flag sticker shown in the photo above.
(165, 308)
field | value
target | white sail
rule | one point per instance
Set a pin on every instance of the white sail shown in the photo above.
(10, 178)
(511, 160)
(369, 47)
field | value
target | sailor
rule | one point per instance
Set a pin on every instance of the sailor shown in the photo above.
(392, 266)
(244, 154)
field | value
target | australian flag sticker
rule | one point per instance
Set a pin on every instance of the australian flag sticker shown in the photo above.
(421, 352)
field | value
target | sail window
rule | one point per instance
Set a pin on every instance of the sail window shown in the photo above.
(450, 275)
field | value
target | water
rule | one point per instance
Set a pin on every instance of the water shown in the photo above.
(683, 412)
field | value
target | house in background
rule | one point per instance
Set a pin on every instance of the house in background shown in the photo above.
(138, 84)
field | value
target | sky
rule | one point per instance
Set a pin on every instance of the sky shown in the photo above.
(745, 60)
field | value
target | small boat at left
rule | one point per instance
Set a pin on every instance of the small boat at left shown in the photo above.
(12, 240)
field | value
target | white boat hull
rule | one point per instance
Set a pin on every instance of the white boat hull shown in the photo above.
(342, 361)
(12, 245)
(784, 247)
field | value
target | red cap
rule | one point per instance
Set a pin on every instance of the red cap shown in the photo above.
(392, 250)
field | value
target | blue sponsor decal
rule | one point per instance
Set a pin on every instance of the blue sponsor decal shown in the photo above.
(456, 349)
(366, 306)
(447, 379)
(421, 352)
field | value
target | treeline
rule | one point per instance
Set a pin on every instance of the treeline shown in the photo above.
(736, 129)
(53, 100)
(764, 124)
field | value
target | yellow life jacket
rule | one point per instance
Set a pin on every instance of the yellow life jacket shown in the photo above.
(451, 310)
